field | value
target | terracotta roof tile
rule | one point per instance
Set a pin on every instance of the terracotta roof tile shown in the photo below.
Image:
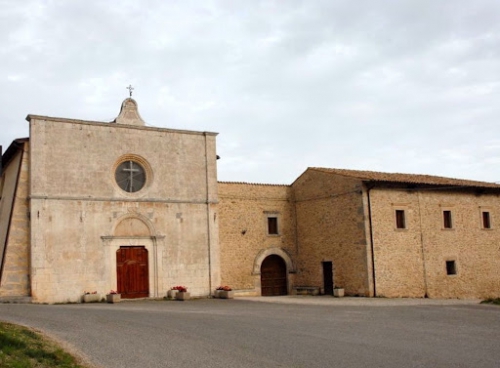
(374, 176)
(246, 183)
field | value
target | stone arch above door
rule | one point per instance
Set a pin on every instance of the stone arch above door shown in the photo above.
(263, 254)
(132, 225)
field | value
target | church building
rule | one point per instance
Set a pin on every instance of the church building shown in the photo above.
(92, 206)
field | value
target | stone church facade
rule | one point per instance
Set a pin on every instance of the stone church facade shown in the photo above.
(81, 219)
(92, 206)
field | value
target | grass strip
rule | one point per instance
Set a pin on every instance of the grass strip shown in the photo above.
(21, 347)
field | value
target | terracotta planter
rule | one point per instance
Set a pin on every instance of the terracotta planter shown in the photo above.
(226, 294)
(339, 293)
(113, 298)
(182, 295)
(91, 298)
(172, 293)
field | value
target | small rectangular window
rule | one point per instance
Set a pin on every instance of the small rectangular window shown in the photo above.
(451, 268)
(400, 219)
(447, 223)
(486, 220)
(272, 225)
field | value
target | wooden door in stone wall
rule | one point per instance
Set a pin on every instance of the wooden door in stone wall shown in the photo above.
(273, 276)
(132, 272)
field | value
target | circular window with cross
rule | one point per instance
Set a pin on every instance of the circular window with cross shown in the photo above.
(132, 173)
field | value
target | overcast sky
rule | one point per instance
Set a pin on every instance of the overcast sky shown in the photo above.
(394, 86)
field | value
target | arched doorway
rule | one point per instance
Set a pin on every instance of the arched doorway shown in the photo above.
(132, 259)
(132, 272)
(273, 276)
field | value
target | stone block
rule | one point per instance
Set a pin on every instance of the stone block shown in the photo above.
(91, 298)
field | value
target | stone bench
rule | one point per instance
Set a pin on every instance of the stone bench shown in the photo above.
(305, 290)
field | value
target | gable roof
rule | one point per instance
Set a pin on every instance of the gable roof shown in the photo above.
(381, 177)
(12, 150)
(248, 183)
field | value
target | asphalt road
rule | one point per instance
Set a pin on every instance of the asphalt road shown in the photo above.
(243, 333)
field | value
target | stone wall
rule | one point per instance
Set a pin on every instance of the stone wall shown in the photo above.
(74, 159)
(331, 227)
(243, 233)
(15, 277)
(398, 253)
(411, 262)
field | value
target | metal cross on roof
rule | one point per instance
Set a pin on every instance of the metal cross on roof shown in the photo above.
(130, 89)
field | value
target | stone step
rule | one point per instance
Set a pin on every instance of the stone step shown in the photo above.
(15, 299)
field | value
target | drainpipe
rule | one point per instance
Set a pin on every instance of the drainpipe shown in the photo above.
(422, 246)
(209, 234)
(296, 230)
(371, 240)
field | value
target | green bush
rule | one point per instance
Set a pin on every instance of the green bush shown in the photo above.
(491, 301)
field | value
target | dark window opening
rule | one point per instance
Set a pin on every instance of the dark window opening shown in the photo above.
(451, 268)
(447, 224)
(272, 225)
(486, 220)
(400, 219)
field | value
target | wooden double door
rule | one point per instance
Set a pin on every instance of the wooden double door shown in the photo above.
(273, 280)
(132, 272)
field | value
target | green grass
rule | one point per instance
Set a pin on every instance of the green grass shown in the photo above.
(491, 301)
(21, 347)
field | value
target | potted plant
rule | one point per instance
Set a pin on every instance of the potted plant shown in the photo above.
(91, 297)
(338, 291)
(113, 297)
(224, 292)
(172, 293)
(182, 293)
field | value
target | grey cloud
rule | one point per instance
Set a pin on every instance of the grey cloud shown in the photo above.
(390, 85)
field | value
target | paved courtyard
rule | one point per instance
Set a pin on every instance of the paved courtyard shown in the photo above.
(273, 332)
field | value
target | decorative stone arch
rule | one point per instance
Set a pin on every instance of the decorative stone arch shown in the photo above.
(264, 253)
(134, 230)
(133, 224)
(261, 256)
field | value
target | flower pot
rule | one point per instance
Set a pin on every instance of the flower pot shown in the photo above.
(113, 298)
(172, 293)
(182, 295)
(339, 293)
(91, 298)
(226, 294)
(217, 294)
